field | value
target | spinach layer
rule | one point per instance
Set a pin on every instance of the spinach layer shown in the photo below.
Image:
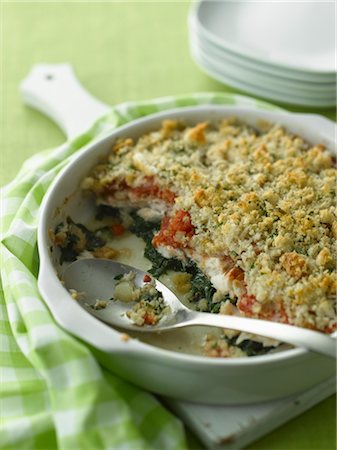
(201, 285)
(251, 348)
(202, 288)
(77, 237)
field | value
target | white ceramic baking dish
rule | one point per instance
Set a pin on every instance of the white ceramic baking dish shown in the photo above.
(166, 372)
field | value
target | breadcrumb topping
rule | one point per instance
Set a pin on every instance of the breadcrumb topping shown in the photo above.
(264, 198)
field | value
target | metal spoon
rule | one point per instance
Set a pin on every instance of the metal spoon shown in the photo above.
(95, 277)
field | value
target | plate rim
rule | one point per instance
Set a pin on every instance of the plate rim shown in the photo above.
(195, 10)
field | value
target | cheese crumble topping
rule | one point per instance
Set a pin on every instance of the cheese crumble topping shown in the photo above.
(261, 204)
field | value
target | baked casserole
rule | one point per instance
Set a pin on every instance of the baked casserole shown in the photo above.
(250, 212)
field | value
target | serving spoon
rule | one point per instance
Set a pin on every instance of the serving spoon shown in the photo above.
(96, 279)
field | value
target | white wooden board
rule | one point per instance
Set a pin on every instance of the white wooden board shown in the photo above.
(234, 427)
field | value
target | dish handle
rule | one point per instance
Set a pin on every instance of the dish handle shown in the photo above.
(54, 90)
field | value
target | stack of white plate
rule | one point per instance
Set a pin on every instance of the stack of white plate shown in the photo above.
(280, 50)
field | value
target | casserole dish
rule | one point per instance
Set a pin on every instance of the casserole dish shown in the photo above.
(167, 371)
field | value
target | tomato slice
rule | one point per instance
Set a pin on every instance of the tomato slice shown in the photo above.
(117, 229)
(150, 189)
(176, 231)
(275, 312)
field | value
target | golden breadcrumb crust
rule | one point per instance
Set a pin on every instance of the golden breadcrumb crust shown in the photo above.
(266, 198)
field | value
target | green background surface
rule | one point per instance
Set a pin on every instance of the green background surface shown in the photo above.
(120, 51)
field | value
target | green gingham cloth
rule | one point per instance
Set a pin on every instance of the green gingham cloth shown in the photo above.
(54, 394)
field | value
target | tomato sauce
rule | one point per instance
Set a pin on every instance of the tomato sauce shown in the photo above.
(152, 190)
(330, 329)
(113, 187)
(149, 189)
(117, 229)
(175, 231)
(246, 303)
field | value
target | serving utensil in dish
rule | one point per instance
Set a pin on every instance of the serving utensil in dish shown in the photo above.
(167, 371)
(97, 279)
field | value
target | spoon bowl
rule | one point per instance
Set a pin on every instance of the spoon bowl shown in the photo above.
(94, 279)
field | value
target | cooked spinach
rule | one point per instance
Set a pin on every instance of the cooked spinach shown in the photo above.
(161, 265)
(104, 233)
(142, 228)
(119, 276)
(76, 238)
(202, 287)
(252, 348)
(215, 307)
(68, 249)
(146, 231)
(92, 240)
(106, 210)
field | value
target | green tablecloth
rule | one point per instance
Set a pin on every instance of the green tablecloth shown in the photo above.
(121, 51)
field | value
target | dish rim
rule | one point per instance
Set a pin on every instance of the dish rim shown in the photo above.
(211, 68)
(311, 82)
(278, 83)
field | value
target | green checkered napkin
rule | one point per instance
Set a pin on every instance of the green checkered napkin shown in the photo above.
(54, 394)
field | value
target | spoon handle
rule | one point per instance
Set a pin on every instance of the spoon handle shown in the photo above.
(301, 337)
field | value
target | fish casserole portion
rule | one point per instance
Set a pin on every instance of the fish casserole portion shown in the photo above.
(254, 210)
